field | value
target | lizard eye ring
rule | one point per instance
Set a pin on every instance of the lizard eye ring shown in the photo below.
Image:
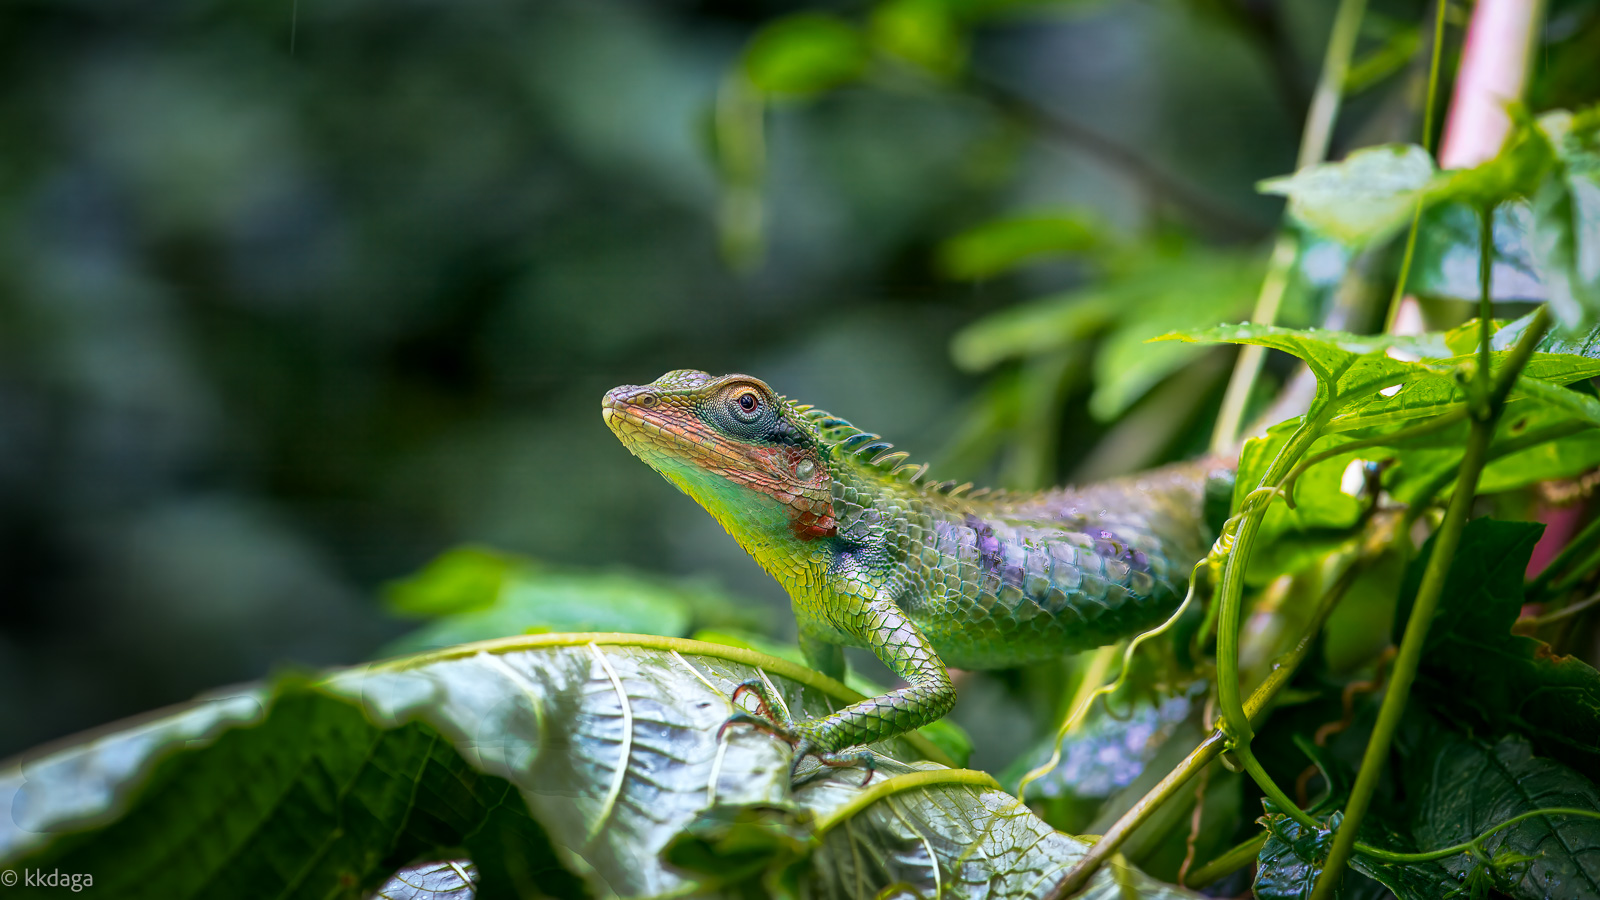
(746, 405)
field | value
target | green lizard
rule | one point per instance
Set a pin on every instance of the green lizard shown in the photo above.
(921, 574)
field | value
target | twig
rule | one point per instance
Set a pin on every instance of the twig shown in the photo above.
(1194, 825)
(1156, 180)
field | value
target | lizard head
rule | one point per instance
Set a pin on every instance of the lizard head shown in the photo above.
(738, 448)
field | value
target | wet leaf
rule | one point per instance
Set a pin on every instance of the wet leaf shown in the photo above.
(1293, 857)
(566, 765)
(1466, 786)
(450, 880)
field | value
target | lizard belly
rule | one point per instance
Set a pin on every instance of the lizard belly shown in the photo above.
(1002, 594)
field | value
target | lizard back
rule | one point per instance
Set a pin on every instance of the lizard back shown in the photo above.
(1012, 579)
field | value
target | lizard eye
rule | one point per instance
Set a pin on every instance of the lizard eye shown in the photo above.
(805, 469)
(746, 405)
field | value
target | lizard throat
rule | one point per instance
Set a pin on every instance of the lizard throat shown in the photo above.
(721, 474)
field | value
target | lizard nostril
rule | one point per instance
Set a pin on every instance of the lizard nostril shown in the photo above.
(645, 400)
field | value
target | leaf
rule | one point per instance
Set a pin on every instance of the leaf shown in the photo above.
(1363, 198)
(1474, 665)
(1187, 291)
(950, 738)
(1290, 538)
(1032, 328)
(450, 880)
(1566, 215)
(1294, 855)
(921, 32)
(1446, 263)
(477, 594)
(920, 833)
(1348, 365)
(1466, 786)
(805, 54)
(310, 797)
(1004, 244)
(1413, 374)
(566, 765)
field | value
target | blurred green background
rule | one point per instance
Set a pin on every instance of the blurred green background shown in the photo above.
(296, 295)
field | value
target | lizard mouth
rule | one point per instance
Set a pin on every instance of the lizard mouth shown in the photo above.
(656, 433)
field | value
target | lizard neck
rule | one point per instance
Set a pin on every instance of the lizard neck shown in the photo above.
(763, 526)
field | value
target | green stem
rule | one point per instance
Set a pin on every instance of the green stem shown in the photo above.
(1427, 144)
(1420, 500)
(1578, 573)
(1237, 858)
(1314, 140)
(1230, 598)
(1269, 787)
(1433, 578)
(1438, 423)
(1282, 671)
(1566, 612)
(1581, 544)
(898, 784)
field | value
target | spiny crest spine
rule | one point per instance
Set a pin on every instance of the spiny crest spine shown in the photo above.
(872, 449)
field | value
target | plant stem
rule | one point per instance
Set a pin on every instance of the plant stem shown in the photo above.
(1314, 141)
(1438, 423)
(1578, 545)
(1433, 579)
(1236, 858)
(1230, 598)
(1427, 144)
(1209, 749)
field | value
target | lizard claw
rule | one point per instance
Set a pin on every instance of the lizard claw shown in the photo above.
(760, 724)
(834, 760)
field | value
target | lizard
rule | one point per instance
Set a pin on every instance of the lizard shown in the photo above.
(925, 575)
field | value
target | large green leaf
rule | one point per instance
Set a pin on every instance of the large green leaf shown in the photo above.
(565, 765)
(1474, 664)
(1384, 380)
(1465, 786)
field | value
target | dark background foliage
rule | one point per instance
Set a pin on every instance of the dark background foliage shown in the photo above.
(294, 295)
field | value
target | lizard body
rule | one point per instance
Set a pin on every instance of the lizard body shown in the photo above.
(921, 574)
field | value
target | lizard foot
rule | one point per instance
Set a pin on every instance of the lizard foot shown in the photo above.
(836, 760)
(769, 718)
